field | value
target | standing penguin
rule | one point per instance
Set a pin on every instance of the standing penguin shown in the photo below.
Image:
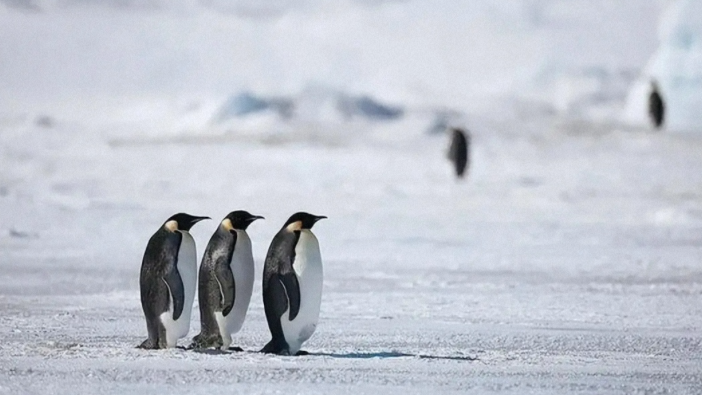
(167, 281)
(656, 107)
(225, 282)
(292, 285)
(458, 150)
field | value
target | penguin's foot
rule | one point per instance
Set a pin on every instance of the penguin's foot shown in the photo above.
(237, 349)
(148, 344)
(200, 342)
(302, 352)
(275, 348)
(195, 341)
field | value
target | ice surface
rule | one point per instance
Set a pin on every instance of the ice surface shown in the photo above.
(568, 261)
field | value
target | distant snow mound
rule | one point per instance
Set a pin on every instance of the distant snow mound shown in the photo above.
(247, 103)
(677, 67)
(367, 107)
(316, 104)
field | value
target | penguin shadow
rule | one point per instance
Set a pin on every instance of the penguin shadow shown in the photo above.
(393, 354)
(216, 351)
(351, 355)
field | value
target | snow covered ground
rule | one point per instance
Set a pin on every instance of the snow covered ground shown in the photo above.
(567, 262)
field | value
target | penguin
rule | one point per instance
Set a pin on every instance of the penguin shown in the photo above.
(292, 285)
(225, 282)
(167, 281)
(656, 106)
(458, 150)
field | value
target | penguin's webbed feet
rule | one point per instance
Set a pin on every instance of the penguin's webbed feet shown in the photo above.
(148, 344)
(274, 348)
(237, 349)
(201, 342)
(195, 342)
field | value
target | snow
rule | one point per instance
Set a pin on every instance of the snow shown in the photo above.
(566, 262)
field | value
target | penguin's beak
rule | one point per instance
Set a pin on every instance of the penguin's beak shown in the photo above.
(192, 220)
(253, 218)
(317, 218)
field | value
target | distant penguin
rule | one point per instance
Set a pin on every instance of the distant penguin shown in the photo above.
(292, 285)
(225, 282)
(656, 106)
(167, 281)
(458, 150)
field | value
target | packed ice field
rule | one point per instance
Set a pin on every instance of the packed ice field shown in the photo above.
(567, 261)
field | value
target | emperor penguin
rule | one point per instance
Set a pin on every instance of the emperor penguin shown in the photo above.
(167, 281)
(292, 285)
(225, 282)
(458, 152)
(656, 106)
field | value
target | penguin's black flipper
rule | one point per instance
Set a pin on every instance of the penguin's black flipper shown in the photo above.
(176, 289)
(168, 255)
(292, 290)
(225, 279)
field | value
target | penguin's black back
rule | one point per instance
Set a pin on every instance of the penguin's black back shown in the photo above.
(281, 255)
(281, 290)
(219, 252)
(160, 258)
(656, 108)
(458, 151)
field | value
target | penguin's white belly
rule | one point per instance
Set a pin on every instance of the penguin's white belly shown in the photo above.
(308, 268)
(187, 268)
(242, 265)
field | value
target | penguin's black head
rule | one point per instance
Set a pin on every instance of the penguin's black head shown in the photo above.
(302, 220)
(460, 133)
(182, 221)
(239, 220)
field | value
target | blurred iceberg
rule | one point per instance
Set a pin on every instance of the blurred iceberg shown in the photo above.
(677, 67)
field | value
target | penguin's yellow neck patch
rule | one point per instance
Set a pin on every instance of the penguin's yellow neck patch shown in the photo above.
(297, 225)
(227, 224)
(172, 225)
